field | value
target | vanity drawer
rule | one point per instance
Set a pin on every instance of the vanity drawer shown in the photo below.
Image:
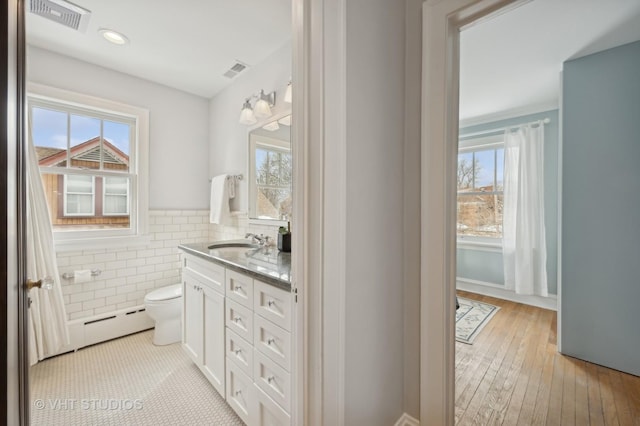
(264, 411)
(239, 288)
(272, 379)
(272, 303)
(239, 319)
(210, 274)
(239, 391)
(272, 341)
(240, 351)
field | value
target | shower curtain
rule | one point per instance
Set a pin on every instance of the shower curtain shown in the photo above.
(47, 317)
(524, 246)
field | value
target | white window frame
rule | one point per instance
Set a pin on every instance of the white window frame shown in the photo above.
(256, 141)
(138, 168)
(471, 144)
(104, 197)
(66, 193)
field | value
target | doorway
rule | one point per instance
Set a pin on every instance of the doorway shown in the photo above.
(441, 46)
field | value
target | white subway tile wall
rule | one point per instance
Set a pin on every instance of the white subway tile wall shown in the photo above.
(131, 272)
(128, 273)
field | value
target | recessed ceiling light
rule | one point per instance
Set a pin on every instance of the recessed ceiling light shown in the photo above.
(113, 36)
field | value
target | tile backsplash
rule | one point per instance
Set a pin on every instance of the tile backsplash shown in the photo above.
(128, 273)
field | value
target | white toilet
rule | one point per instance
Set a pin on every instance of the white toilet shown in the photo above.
(164, 306)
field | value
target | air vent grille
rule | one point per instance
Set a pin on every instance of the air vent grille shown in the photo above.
(62, 12)
(236, 69)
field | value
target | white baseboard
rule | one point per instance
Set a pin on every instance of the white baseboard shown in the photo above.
(407, 420)
(100, 328)
(488, 289)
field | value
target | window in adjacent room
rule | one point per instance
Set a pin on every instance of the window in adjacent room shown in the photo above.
(480, 188)
(90, 161)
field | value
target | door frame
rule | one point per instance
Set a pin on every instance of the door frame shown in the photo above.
(14, 195)
(442, 22)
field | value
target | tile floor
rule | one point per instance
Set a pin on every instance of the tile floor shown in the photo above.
(127, 381)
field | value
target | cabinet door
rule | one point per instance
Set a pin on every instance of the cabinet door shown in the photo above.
(192, 318)
(213, 338)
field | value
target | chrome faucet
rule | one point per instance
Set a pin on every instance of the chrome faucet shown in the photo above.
(260, 239)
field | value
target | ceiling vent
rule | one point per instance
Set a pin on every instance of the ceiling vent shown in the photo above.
(62, 12)
(236, 69)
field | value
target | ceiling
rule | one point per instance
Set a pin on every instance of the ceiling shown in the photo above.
(509, 63)
(512, 62)
(184, 44)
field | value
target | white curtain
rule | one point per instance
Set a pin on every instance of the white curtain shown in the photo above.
(524, 247)
(48, 330)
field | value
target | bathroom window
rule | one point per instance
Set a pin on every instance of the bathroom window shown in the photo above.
(480, 190)
(90, 156)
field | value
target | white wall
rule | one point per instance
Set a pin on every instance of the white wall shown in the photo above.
(229, 141)
(179, 140)
(375, 57)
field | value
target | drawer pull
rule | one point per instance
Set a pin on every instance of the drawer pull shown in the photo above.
(271, 303)
(238, 351)
(271, 379)
(237, 320)
(238, 288)
(238, 392)
(271, 341)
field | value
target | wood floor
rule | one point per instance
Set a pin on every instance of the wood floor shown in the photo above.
(513, 375)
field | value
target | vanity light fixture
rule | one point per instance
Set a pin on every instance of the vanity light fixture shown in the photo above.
(113, 36)
(261, 109)
(264, 103)
(246, 115)
(287, 94)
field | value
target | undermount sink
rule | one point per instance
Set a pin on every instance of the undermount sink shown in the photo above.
(237, 244)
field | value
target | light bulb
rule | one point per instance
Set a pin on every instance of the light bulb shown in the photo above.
(262, 108)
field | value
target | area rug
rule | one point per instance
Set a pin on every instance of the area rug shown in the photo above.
(471, 319)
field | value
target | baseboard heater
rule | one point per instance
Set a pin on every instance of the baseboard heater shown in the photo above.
(100, 328)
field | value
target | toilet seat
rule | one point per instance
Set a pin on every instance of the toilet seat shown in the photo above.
(164, 294)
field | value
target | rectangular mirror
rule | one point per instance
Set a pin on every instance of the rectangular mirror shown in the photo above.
(270, 170)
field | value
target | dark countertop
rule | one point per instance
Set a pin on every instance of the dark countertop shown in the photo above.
(266, 264)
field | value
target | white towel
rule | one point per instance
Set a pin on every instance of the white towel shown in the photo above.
(220, 212)
(231, 184)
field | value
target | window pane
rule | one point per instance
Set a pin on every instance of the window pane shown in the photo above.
(465, 171)
(49, 133)
(115, 204)
(480, 215)
(79, 204)
(484, 168)
(116, 192)
(261, 166)
(85, 142)
(116, 185)
(500, 169)
(286, 169)
(116, 145)
(79, 184)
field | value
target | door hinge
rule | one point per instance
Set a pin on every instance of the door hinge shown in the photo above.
(295, 294)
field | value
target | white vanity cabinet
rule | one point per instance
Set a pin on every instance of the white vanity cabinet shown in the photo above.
(237, 329)
(203, 318)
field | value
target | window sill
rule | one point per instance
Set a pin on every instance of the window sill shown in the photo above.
(67, 245)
